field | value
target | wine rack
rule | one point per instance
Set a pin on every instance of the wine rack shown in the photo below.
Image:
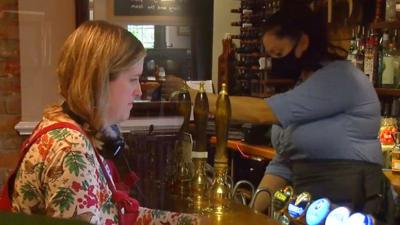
(250, 77)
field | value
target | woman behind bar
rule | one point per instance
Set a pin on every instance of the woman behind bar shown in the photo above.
(61, 175)
(326, 128)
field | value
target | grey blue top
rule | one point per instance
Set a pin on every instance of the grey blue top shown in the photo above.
(334, 114)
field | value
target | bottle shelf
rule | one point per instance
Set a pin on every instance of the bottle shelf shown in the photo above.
(252, 14)
(250, 41)
(253, 55)
(252, 69)
(386, 25)
(393, 92)
(251, 38)
(244, 29)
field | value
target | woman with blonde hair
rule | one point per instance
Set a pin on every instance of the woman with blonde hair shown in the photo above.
(61, 173)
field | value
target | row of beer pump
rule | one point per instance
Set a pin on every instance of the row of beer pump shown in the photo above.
(206, 195)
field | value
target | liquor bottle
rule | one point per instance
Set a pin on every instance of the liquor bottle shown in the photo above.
(242, 24)
(387, 78)
(269, 9)
(396, 59)
(243, 11)
(275, 6)
(360, 49)
(351, 56)
(236, 10)
(390, 10)
(371, 58)
(252, 17)
(226, 63)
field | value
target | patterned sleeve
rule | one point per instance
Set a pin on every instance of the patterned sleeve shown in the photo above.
(154, 216)
(67, 181)
(74, 184)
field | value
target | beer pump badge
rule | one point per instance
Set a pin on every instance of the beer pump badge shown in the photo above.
(317, 211)
(281, 197)
(360, 219)
(338, 216)
(297, 207)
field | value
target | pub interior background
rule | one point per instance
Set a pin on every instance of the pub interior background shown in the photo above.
(187, 44)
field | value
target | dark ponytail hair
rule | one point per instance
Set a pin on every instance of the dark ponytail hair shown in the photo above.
(291, 21)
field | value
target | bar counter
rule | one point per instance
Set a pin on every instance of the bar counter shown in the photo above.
(267, 153)
(237, 215)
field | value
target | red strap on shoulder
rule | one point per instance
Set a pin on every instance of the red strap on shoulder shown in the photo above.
(35, 136)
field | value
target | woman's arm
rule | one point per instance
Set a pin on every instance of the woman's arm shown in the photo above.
(244, 109)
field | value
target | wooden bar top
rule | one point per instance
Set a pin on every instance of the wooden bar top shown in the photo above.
(268, 153)
(237, 215)
(262, 151)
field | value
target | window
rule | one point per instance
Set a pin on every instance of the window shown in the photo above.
(145, 33)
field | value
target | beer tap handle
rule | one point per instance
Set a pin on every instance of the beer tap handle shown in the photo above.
(201, 110)
(222, 119)
(258, 191)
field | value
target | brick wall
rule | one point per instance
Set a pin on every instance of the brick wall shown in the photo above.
(10, 93)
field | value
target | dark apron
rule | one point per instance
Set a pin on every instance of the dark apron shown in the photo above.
(359, 185)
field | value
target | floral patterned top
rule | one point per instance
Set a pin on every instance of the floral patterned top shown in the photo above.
(61, 177)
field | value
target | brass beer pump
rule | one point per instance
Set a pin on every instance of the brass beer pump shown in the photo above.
(200, 184)
(220, 192)
(183, 165)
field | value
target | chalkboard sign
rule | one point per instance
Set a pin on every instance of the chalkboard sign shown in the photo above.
(151, 7)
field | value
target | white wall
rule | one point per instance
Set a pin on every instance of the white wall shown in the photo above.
(43, 27)
(222, 25)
